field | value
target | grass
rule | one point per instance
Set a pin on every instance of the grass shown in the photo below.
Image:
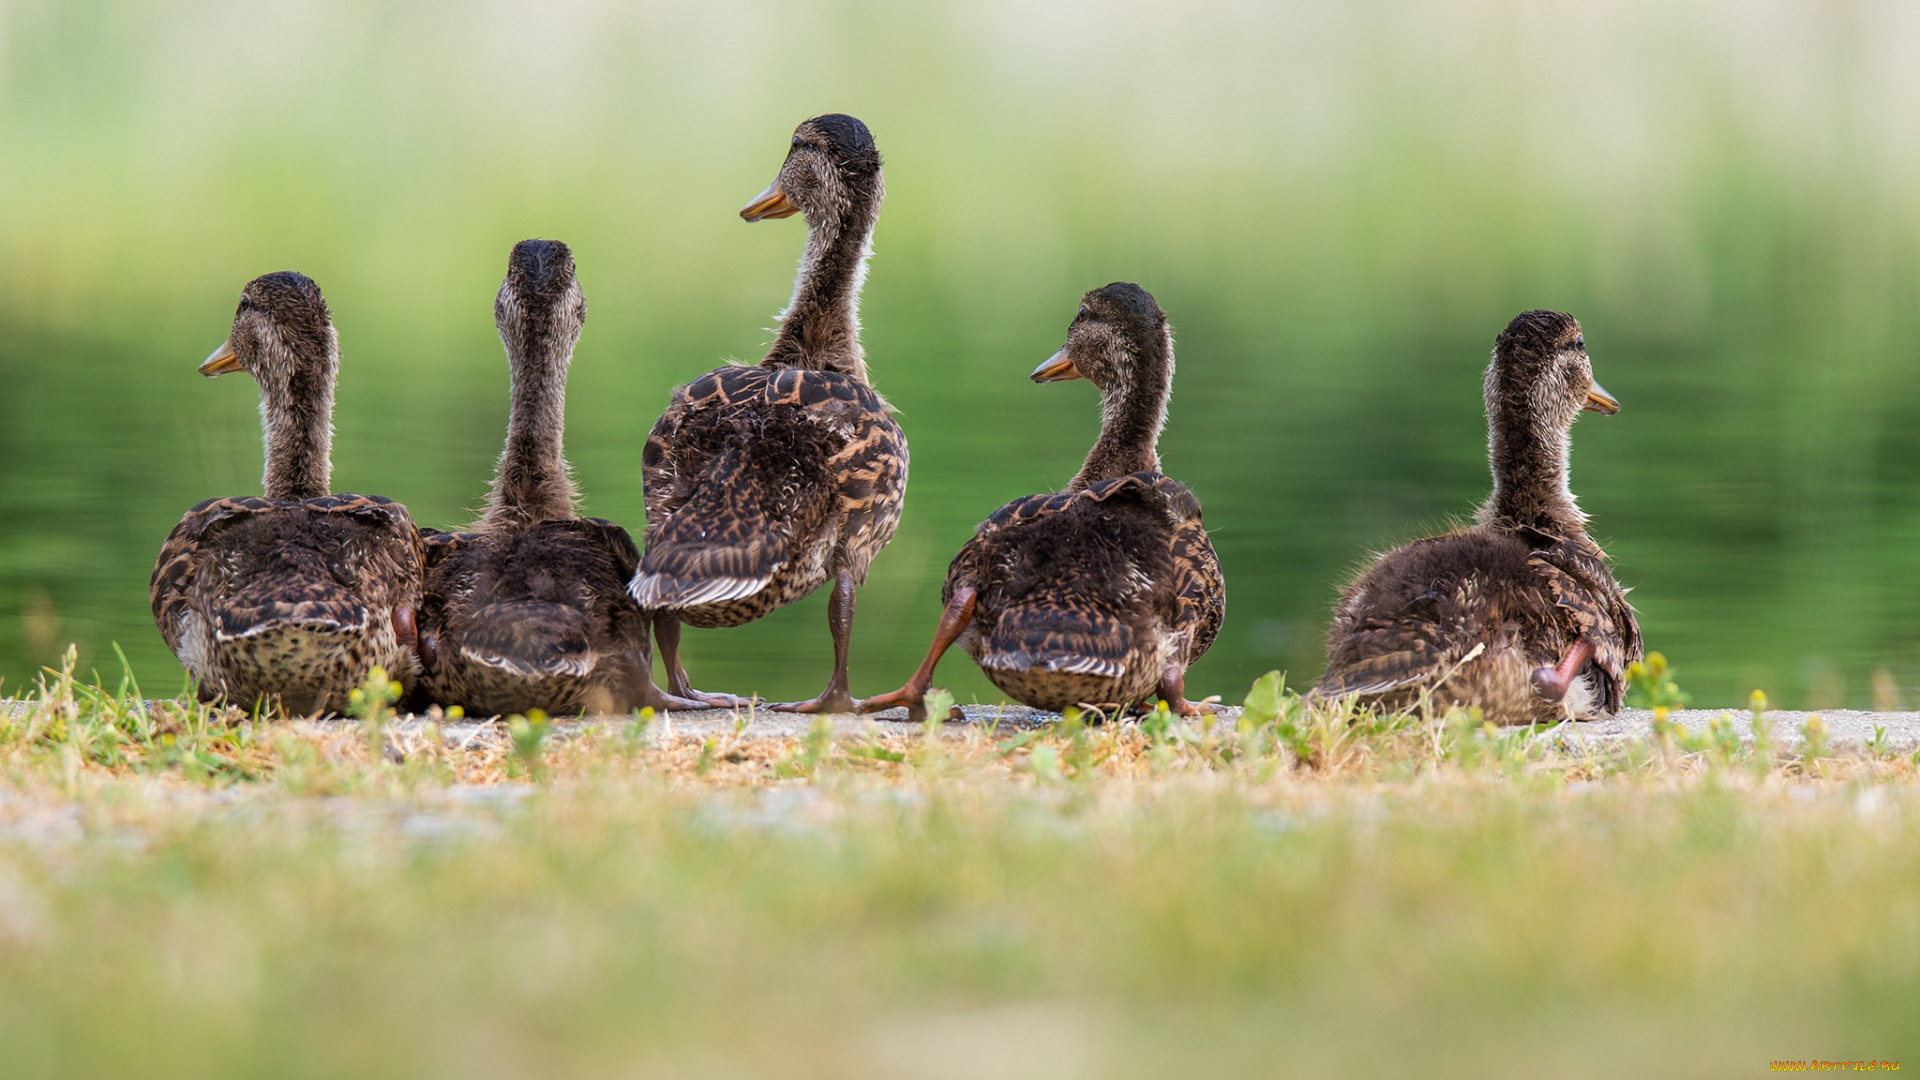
(190, 892)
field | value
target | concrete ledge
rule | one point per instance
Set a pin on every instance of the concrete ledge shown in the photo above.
(1845, 727)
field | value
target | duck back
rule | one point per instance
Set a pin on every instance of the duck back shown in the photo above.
(755, 479)
(537, 618)
(1411, 624)
(1081, 596)
(289, 601)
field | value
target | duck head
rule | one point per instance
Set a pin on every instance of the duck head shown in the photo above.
(1118, 336)
(282, 327)
(1541, 372)
(832, 169)
(540, 309)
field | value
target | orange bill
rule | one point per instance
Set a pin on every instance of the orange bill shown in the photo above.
(222, 362)
(771, 203)
(1598, 400)
(1058, 368)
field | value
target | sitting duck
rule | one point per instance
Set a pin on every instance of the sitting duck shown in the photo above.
(1105, 593)
(528, 608)
(765, 483)
(1518, 614)
(288, 601)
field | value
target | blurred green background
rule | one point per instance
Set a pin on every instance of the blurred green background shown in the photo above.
(1338, 205)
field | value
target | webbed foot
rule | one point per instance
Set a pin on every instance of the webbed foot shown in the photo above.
(700, 700)
(1173, 691)
(1552, 682)
(914, 699)
(833, 700)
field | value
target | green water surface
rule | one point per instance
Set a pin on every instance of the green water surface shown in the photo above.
(1339, 206)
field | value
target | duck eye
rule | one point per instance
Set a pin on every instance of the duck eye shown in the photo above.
(1580, 342)
(796, 142)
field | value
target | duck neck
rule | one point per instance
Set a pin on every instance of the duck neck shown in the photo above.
(820, 329)
(532, 483)
(1530, 487)
(1131, 416)
(296, 414)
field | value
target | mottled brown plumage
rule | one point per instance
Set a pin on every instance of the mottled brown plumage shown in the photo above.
(529, 609)
(764, 483)
(1518, 614)
(1105, 593)
(290, 599)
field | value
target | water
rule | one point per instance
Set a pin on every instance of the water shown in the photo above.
(1338, 209)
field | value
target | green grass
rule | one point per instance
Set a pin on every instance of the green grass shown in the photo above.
(186, 892)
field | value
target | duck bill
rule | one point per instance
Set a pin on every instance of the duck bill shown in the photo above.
(771, 203)
(1598, 400)
(1058, 368)
(222, 362)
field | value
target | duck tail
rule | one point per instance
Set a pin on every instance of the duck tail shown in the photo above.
(532, 639)
(1044, 637)
(302, 600)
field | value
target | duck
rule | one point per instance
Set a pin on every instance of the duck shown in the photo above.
(764, 483)
(1519, 613)
(289, 601)
(1103, 594)
(527, 608)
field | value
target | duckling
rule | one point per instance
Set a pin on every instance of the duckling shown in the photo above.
(1108, 591)
(289, 600)
(528, 608)
(1518, 614)
(764, 483)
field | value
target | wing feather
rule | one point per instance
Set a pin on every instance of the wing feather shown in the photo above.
(739, 478)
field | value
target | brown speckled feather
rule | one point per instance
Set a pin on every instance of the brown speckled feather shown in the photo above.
(760, 484)
(288, 600)
(1200, 587)
(1086, 597)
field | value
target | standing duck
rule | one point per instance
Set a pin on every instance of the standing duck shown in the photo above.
(1518, 614)
(1105, 593)
(290, 599)
(528, 609)
(765, 483)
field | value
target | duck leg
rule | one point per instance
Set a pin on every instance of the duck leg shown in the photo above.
(1173, 691)
(913, 695)
(405, 629)
(666, 631)
(835, 698)
(1552, 682)
(641, 692)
